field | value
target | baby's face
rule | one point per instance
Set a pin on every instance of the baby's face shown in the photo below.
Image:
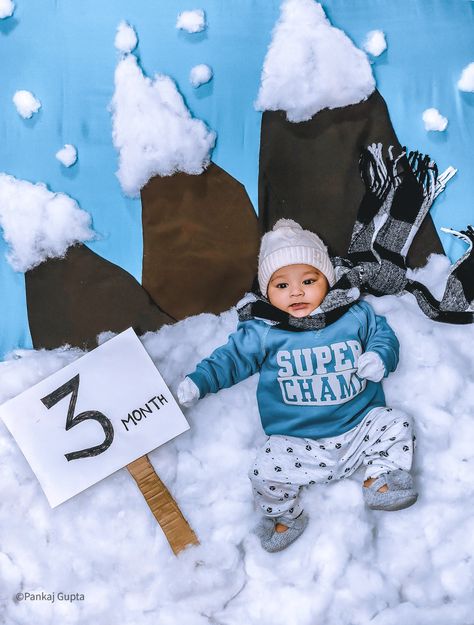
(297, 289)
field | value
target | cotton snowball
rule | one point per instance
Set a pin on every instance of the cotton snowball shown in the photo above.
(434, 120)
(38, 224)
(466, 82)
(153, 130)
(126, 38)
(67, 155)
(200, 74)
(191, 21)
(375, 42)
(26, 103)
(6, 8)
(310, 65)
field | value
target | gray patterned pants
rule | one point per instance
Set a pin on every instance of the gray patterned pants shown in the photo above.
(382, 441)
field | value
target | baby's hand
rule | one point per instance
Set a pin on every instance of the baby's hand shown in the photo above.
(188, 393)
(370, 367)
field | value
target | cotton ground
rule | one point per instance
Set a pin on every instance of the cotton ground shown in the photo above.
(351, 566)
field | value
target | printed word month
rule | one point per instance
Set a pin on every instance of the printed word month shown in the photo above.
(152, 405)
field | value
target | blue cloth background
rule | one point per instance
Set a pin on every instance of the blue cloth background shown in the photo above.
(63, 52)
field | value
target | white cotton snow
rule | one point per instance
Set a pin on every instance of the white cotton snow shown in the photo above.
(352, 565)
(433, 275)
(310, 65)
(200, 74)
(153, 130)
(375, 42)
(126, 38)
(26, 104)
(7, 8)
(38, 224)
(466, 82)
(433, 120)
(67, 155)
(191, 21)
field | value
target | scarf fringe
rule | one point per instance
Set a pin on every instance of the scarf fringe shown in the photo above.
(465, 235)
(379, 174)
(460, 284)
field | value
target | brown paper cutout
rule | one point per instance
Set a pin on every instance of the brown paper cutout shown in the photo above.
(200, 242)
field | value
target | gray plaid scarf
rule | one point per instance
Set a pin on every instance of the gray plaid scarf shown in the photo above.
(399, 192)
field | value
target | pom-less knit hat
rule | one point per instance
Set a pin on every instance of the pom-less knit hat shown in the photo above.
(289, 244)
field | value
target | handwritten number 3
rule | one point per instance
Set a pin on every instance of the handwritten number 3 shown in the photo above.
(72, 388)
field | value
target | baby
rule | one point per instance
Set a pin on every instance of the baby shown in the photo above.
(319, 394)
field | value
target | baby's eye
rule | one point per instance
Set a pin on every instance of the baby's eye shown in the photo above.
(309, 281)
(281, 285)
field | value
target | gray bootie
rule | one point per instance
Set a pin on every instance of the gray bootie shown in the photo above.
(399, 479)
(400, 493)
(272, 540)
(265, 528)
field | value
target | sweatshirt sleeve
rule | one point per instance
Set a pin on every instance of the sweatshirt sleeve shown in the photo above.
(233, 362)
(380, 338)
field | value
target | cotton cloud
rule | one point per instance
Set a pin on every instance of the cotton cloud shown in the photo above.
(126, 38)
(310, 65)
(375, 42)
(7, 8)
(191, 21)
(199, 75)
(26, 104)
(153, 130)
(466, 82)
(38, 224)
(67, 155)
(434, 120)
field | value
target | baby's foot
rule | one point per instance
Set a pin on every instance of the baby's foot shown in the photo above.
(390, 491)
(280, 528)
(370, 480)
(279, 540)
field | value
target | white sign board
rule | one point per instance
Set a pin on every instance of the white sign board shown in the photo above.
(93, 417)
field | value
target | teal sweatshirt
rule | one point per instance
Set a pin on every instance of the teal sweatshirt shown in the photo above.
(308, 384)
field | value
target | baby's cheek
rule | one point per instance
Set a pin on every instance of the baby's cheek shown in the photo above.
(277, 301)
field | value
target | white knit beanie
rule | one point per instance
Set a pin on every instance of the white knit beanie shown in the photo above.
(289, 244)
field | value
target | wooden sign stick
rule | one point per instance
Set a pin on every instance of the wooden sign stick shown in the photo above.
(164, 508)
